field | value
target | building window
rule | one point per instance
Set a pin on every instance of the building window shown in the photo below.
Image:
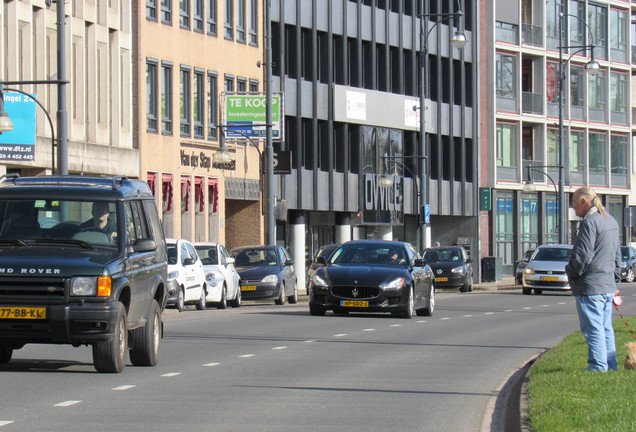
(166, 11)
(506, 76)
(228, 20)
(253, 86)
(241, 84)
(184, 14)
(241, 13)
(598, 97)
(212, 17)
(151, 10)
(578, 31)
(253, 22)
(552, 156)
(552, 82)
(184, 101)
(166, 99)
(598, 158)
(598, 24)
(151, 96)
(506, 145)
(213, 104)
(228, 83)
(619, 154)
(552, 9)
(576, 85)
(618, 92)
(199, 103)
(577, 151)
(198, 16)
(504, 226)
(618, 34)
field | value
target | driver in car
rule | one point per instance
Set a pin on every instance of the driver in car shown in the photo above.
(101, 221)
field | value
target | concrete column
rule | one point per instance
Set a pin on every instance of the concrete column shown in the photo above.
(297, 229)
(343, 227)
(384, 232)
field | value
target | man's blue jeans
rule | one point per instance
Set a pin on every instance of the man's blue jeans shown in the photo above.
(595, 318)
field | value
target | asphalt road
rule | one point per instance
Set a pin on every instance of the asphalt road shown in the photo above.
(273, 368)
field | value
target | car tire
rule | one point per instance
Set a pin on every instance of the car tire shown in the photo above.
(526, 291)
(238, 299)
(430, 308)
(222, 304)
(110, 356)
(5, 353)
(201, 303)
(316, 310)
(409, 311)
(293, 299)
(538, 291)
(146, 339)
(630, 275)
(180, 300)
(281, 296)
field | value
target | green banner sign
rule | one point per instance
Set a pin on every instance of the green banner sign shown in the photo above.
(251, 109)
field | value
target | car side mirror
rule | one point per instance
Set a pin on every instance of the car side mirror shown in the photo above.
(145, 245)
(229, 261)
(289, 262)
(188, 261)
(420, 262)
(321, 260)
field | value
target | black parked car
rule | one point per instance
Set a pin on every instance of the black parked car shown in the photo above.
(451, 266)
(325, 251)
(266, 272)
(628, 268)
(373, 276)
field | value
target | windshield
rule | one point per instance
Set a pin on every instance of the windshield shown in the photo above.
(52, 220)
(326, 251)
(442, 255)
(256, 257)
(369, 254)
(552, 254)
(207, 254)
(625, 253)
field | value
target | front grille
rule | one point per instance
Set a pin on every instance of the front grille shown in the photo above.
(355, 292)
(550, 273)
(550, 284)
(36, 290)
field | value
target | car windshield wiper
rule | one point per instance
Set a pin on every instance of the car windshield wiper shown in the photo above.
(80, 243)
(15, 242)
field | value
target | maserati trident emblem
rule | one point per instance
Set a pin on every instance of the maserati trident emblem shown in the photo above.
(354, 292)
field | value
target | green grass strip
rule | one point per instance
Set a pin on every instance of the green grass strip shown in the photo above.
(563, 396)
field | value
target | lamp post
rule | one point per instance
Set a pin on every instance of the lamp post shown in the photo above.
(269, 148)
(592, 68)
(458, 41)
(6, 124)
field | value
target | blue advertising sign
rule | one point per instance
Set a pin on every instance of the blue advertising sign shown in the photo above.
(19, 144)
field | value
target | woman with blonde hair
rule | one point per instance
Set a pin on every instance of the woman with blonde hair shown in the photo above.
(594, 271)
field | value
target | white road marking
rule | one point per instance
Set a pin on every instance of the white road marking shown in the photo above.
(489, 313)
(395, 325)
(211, 364)
(562, 303)
(467, 316)
(125, 387)
(309, 341)
(509, 310)
(247, 355)
(527, 308)
(67, 403)
(545, 305)
(444, 319)
(340, 335)
(5, 422)
(279, 348)
(171, 374)
(421, 321)
(368, 330)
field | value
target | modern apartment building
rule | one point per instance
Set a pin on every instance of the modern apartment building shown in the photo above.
(349, 72)
(98, 63)
(188, 55)
(530, 48)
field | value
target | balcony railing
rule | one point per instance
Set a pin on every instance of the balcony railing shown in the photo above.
(532, 103)
(532, 35)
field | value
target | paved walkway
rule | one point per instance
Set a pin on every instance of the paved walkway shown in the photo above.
(507, 282)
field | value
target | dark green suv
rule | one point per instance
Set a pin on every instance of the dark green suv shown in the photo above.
(82, 262)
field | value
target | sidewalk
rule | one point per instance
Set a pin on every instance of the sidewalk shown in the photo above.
(507, 282)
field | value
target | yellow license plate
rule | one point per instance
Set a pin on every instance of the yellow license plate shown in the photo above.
(550, 278)
(354, 303)
(248, 288)
(441, 279)
(11, 312)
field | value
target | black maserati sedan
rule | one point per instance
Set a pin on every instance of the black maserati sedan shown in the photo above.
(373, 276)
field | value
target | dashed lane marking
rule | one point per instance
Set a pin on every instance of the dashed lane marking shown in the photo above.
(467, 316)
(247, 355)
(5, 422)
(309, 341)
(171, 374)
(444, 319)
(395, 325)
(124, 387)
(489, 313)
(368, 330)
(527, 308)
(279, 348)
(340, 335)
(211, 364)
(67, 403)
(509, 310)
(421, 321)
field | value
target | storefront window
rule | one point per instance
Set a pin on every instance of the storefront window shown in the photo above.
(504, 228)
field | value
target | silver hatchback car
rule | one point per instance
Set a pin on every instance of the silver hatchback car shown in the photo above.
(546, 269)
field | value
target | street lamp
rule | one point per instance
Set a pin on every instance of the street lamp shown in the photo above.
(592, 68)
(458, 41)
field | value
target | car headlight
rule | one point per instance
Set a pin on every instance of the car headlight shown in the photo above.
(459, 269)
(91, 286)
(395, 284)
(318, 281)
(271, 280)
(173, 275)
(624, 264)
(529, 271)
